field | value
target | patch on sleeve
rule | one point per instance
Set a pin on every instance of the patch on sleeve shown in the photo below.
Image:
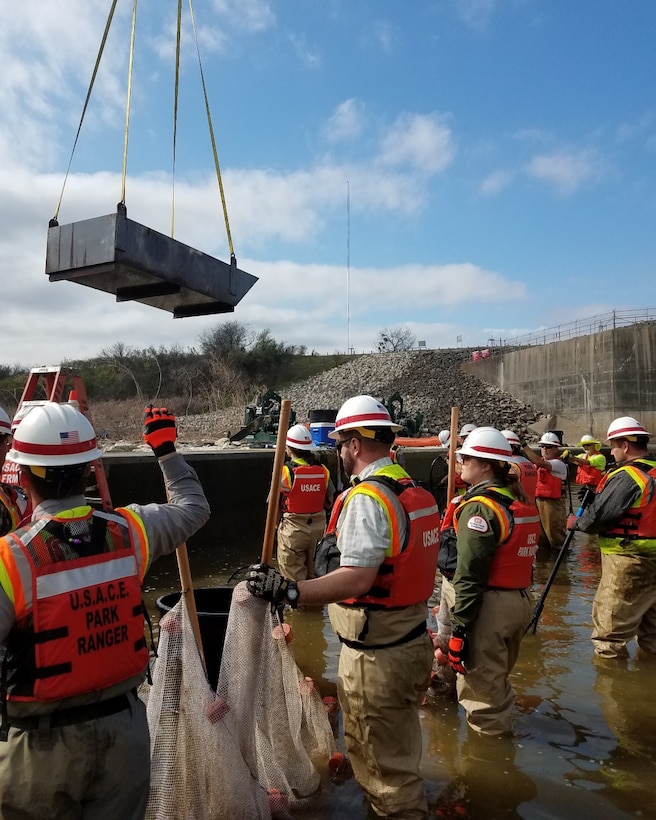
(478, 524)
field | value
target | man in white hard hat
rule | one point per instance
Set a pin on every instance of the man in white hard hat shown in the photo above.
(74, 732)
(306, 492)
(623, 513)
(379, 558)
(549, 497)
(13, 501)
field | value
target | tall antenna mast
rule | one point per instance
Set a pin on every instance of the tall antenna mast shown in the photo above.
(348, 266)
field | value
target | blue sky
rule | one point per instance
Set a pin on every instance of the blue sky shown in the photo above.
(500, 157)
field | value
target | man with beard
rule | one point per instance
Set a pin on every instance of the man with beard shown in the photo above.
(377, 566)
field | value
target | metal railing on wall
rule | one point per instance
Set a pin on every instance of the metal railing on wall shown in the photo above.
(579, 327)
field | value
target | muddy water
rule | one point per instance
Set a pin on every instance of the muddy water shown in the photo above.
(585, 730)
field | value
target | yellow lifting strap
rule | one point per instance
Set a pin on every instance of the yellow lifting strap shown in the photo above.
(209, 122)
(86, 104)
(175, 114)
(127, 103)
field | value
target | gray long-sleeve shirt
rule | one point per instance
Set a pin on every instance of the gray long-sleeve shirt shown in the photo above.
(167, 525)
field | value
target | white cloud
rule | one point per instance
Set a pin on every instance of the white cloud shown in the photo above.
(347, 121)
(566, 171)
(423, 142)
(308, 55)
(249, 16)
(496, 182)
(44, 81)
(475, 13)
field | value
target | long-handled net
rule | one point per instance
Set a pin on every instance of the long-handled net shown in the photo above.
(259, 745)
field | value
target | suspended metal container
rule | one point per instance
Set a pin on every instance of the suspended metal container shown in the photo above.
(117, 255)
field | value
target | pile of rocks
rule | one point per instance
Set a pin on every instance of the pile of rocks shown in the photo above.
(429, 382)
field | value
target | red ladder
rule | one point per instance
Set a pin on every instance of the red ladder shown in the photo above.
(48, 384)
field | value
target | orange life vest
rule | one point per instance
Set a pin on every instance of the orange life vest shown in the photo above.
(588, 475)
(635, 532)
(548, 484)
(519, 523)
(528, 476)
(75, 582)
(407, 575)
(308, 488)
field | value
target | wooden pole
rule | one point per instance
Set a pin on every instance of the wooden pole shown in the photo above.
(187, 590)
(274, 491)
(453, 444)
(187, 587)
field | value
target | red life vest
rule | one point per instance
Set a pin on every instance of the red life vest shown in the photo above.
(407, 575)
(528, 476)
(75, 582)
(635, 532)
(588, 475)
(548, 484)
(519, 524)
(308, 488)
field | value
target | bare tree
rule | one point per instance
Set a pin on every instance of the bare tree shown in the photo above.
(396, 339)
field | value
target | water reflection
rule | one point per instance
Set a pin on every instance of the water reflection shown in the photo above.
(585, 730)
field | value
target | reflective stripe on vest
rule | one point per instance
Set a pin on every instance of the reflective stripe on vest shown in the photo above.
(512, 564)
(635, 532)
(407, 574)
(79, 620)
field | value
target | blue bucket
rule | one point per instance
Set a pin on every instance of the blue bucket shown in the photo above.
(322, 422)
(319, 431)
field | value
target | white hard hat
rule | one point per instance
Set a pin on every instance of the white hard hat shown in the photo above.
(299, 438)
(5, 423)
(550, 439)
(512, 438)
(625, 426)
(444, 437)
(466, 429)
(362, 411)
(489, 443)
(23, 410)
(54, 435)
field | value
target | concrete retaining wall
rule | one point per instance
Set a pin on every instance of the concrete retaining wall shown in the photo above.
(582, 384)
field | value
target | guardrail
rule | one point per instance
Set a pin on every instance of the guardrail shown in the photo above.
(579, 327)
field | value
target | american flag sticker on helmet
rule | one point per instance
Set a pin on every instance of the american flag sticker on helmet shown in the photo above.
(70, 437)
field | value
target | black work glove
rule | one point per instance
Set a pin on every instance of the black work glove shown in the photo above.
(267, 583)
(159, 430)
(458, 650)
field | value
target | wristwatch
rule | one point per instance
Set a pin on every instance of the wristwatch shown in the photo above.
(292, 594)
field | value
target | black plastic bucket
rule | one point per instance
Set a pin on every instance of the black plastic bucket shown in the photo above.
(213, 606)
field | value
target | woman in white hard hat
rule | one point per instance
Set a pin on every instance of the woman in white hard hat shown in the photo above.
(549, 496)
(306, 492)
(497, 537)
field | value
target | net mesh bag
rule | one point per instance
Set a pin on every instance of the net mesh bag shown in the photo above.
(261, 743)
(278, 716)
